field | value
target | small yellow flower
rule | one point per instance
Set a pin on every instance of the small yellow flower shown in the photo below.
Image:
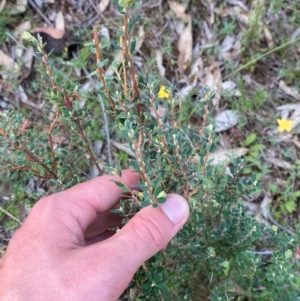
(140, 195)
(284, 125)
(163, 92)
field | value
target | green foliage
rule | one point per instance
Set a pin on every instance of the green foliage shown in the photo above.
(216, 255)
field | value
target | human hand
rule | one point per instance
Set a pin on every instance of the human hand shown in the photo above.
(64, 250)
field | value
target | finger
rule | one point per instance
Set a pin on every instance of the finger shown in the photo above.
(83, 202)
(70, 212)
(144, 235)
(102, 222)
(98, 238)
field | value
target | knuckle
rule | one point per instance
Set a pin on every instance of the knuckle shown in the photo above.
(148, 231)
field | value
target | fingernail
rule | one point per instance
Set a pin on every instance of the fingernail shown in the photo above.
(176, 208)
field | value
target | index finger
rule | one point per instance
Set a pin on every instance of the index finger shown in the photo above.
(84, 201)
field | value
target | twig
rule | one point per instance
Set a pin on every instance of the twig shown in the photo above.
(270, 217)
(50, 139)
(131, 67)
(124, 68)
(70, 159)
(15, 40)
(106, 124)
(40, 13)
(86, 143)
(160, 126)
(261, 56)
(267, 252)
(11, 216)
(106, 128)
(100, 69)
(35, 159)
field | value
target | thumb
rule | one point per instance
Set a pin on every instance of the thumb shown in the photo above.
(150, 230)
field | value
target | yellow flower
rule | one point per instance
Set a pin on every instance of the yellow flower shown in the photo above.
(163, 92)
(140, 195)
(284, 125)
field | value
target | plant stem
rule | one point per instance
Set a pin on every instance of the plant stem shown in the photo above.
(100, 69)
(261, 56)
(86, 143)
(11, 216)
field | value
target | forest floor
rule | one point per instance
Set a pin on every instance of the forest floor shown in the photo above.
(247, 51)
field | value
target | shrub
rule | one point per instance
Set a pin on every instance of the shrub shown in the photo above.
(219, 254)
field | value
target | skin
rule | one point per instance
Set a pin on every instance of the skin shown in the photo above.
(64, 250)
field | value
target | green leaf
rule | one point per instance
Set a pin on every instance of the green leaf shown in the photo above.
(250, 139)
(135, 165)
(91, 74)
(109, 77)
(38, 56)
(145, 203)
(121, 186)
(157, 190)
(120, 9)
(126, 3)
(89, 44)
(257, 147)
(133, 21)
(290, 206)
(29, 37)
(116, 46)
(132, 46)
(115, 64)
(101, 64)
(55, 131)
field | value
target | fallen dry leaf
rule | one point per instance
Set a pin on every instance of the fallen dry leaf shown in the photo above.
(225, 155)
(41, 2)
(117, 59)
(103, 5)
(228, 85)
(268, 37)
(22, 96)
(60, 21)
(252, 207)
(230, 48)
(265, 204)
(20, 29)
(226, 120)
(27, 63)
(179, 10)
(211, 78)
(17, 33)
(222, 156)
(8, 64)
(211, 7)
(159, 63)
(140, 39)
(296, 142)
(184, 91)
(196, 67)
(124, 148)
(279, 162)
(288, 90)
(295, 34)
(241, 15)
(238, 3)
(2, 5)
(185, 47)
(18, 8)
